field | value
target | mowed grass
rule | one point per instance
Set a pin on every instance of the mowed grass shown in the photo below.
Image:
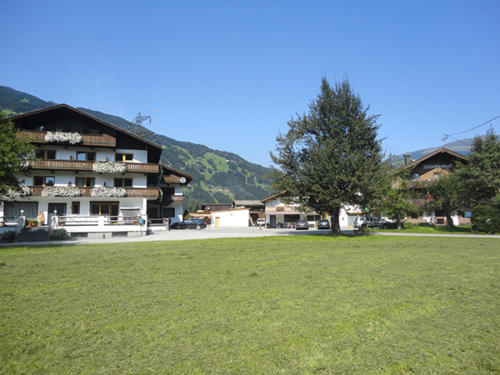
(462, 229)
(294, 305)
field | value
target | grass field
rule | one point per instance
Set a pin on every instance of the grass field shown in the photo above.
(294, 305)
(462, 229)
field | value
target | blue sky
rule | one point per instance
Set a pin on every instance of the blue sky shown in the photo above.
(231, 74)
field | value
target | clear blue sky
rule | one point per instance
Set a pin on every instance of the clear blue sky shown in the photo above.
(231, 74)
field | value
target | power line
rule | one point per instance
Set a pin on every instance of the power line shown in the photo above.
(446, 136)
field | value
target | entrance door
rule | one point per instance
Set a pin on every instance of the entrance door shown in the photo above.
(272, 221)
(61, 210)
(217, 221)
(60, 207)
(350, 219)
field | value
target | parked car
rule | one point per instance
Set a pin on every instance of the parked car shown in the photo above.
(362, 222)
(189, 224)
(195, 223)
(178, 225)
(261, 222)
(302, 224)
(323, 224)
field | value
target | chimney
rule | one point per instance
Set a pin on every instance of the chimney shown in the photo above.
(407, 158)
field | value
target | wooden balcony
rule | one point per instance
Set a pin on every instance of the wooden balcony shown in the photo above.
(97, 140)
(150, 193)
(177, 198)
(77, 165)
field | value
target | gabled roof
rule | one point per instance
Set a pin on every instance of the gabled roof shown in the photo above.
(430, 155)
(284, 192)
(248, 203)
(174, 178)
(85, 114)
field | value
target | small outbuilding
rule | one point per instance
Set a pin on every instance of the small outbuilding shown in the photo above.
(234, 217)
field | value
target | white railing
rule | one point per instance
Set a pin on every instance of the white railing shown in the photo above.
(100, 221)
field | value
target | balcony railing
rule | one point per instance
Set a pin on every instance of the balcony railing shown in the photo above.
(77, 165)
(177, 198)
(150, 193)
(101, 140)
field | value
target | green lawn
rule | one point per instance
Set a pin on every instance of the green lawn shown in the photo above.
(294, 305)
(462, 229)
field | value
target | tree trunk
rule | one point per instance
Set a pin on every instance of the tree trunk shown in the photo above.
(449, 221)
(334, 214)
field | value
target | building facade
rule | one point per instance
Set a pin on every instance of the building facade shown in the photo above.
(88, 172)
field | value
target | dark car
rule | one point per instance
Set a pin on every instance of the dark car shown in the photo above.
(189, 224)
(323, 224)
(195, 223)
(302, 224)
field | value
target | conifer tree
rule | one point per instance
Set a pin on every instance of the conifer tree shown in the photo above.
(330, 156)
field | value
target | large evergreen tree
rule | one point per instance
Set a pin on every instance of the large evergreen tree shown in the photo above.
(480, 177)
(330, 156)
(14, 154)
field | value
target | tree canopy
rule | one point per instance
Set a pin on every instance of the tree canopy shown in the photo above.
(480, 177)
(330, 156)
(14, 153)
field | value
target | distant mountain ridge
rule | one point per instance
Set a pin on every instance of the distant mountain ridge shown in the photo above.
(219, 176)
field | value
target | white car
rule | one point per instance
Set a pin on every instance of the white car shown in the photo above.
(261, 222)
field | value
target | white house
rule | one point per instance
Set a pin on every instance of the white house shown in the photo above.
(92, 175)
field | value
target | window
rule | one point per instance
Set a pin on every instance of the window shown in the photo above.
(124, 157)
(82, 156)
(291, 218)
(75, 208)
(46, 154)
(170, 191)
(85, 181)
(436, 175)
(44, 180)
(104, 208)
(168, 212)
(123, 182)
(415, 176)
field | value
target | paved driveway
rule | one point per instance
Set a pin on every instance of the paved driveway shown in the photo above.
(209, 233)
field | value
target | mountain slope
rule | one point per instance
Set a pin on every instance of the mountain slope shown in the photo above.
(219, 176)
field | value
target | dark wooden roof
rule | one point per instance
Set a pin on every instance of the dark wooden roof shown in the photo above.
(66, 106)
(280, 194)
(441, 150)
(173, 176)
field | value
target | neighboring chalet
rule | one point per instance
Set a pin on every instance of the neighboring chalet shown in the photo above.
(94, 176)
(429, 168)
(281, 211)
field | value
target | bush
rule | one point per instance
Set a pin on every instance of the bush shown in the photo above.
(486, 217)
(59, 235)
(9, 236)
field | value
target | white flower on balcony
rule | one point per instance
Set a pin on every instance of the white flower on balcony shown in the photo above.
(112, 192)
(63, 137)
(12, 194)
(109, 167)
(60, 191)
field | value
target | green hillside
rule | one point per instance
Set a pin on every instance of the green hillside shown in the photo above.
(219, 176)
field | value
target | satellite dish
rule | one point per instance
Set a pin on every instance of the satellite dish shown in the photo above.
(182, 180)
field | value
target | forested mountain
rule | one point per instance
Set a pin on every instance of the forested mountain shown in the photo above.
(219, 176)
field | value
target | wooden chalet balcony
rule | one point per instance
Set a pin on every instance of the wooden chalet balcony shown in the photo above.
(177, 198)
(98, 140)
(150, 193)
(77, 165)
